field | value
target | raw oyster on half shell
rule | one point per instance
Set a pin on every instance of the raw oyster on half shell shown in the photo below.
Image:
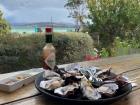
(88, 90)
(108, 89)
(66, 90)
(51, 84)
(48, 74)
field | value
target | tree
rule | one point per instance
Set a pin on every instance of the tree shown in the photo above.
(4, 26)
(111, 18)
(77, 10)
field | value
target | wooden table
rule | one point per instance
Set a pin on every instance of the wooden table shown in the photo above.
(130, 65)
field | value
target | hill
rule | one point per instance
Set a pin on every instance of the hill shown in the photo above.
(44, 24)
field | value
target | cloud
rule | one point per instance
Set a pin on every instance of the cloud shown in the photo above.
(5, 11)
(17, 4)
(41, 15)
(35, 10)
(9, 15)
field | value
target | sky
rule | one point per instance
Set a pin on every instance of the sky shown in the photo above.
(28, 11)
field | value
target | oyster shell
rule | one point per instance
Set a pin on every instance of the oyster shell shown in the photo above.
(72, 79)
(73, 66)
(104, 74)
(96, 81)
(88, 91)
(108, 89)
(70, 70)
(121, 80)
(91, 93)
(71, 73)
(104, 71)
(88, 72)
(51, 84)
(66, 90)
(48, 74)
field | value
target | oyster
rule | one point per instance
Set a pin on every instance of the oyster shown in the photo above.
(108, 89)
(126, 79)
(104, 74)
(66, 90)
(68, 71)
(121, 80)
(88, 91)
(96, 81)
(48, 74)
(72, 79)
(89, 72)
(61, 71)
(91, 93)
(103, 71)
(74, 73)
(71, 73)
(73, 66)
(51, 84)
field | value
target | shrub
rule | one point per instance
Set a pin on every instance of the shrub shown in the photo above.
(104, 53)
(125, 47)
(24, 52)
(111, 18)
(4, 25)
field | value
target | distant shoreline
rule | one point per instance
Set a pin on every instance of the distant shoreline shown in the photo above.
(44, 24)
(30, 29)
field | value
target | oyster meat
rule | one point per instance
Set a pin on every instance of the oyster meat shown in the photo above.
(51, 84)
(88, 91)
(48, 74)
(66, 90)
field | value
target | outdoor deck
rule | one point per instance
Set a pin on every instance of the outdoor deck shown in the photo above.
(130, 65)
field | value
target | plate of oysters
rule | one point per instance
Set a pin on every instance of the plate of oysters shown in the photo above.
(84, 85)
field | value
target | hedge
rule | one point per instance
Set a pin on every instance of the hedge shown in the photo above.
(24, 52)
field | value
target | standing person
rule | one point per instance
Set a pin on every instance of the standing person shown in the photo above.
(36, 28)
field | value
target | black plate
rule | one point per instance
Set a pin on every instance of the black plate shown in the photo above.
(122, 92)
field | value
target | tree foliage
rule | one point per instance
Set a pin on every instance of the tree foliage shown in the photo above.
(111, 18)
(77, 10)
(4, 26)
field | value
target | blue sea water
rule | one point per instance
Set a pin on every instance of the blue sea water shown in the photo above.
(29, 29)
